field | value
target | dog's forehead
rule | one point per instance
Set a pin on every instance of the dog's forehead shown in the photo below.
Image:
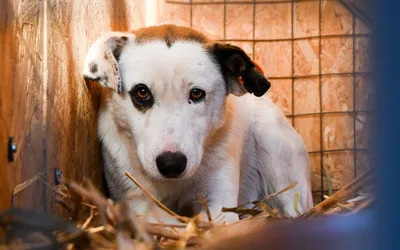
(165, 53)
(153, 63)
(169, 34)
(156, 56)
(167, 43)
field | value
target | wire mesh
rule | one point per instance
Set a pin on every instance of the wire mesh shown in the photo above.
(293, 77)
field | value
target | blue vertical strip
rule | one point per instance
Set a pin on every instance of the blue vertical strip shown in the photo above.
(386, 61)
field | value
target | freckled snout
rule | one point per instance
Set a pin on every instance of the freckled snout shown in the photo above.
(171, 164)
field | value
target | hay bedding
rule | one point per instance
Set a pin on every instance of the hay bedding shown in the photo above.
(95, 222)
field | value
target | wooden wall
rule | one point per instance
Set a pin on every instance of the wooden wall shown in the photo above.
(44, 101)
(51, 112)
(22, 106)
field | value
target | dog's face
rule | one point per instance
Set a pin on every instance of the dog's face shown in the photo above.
(173, 85)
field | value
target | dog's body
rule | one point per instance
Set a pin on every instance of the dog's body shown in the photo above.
(181, 123)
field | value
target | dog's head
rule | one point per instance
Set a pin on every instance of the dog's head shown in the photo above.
(172, 84)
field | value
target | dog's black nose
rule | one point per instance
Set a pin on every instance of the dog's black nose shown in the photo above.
(171, 165)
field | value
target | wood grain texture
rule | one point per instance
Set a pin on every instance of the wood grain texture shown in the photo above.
(306, 57)
(209, 19)
(45, 103)
(337, 55)
(178, 14)
(239, 21)
(337, 93)
(306, 18)
(71, 133)
(72, 105)
(273, 21)
(7, 173)
(306, 96)
(274, 57)
(338, 131)
(281, 94)
(308, 128)
(336, 19)
(22, 108)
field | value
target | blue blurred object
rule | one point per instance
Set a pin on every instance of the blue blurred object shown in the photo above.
(352, 232)
(386, 81)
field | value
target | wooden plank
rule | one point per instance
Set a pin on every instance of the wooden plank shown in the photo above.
(28, 107)
(7, 173)
(72, 143)
(25, 39)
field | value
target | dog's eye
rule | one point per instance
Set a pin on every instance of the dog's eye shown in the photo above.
(142, 93)
(197, 95)
(141, 97)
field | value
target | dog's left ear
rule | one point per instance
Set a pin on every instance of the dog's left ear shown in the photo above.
(101, 61)
(240, 72)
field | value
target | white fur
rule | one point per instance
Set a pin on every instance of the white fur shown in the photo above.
(239, 149)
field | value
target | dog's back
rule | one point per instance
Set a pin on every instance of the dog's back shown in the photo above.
(273, 155)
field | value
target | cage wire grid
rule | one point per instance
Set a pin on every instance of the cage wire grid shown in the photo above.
(321, 114)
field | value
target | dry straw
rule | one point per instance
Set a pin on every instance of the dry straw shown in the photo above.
(99, 223)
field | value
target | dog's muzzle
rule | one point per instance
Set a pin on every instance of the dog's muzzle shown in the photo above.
(170, 164)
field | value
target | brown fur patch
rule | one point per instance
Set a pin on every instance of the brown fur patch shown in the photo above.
(169, 33)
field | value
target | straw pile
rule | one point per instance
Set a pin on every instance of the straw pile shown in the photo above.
(95, 222)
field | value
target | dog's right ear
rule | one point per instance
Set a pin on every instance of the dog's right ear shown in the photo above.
(241, 74)
(101, 62)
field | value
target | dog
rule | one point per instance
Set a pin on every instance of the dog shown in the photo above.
(186, 115)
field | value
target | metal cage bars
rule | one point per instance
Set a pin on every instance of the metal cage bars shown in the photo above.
(293, 77)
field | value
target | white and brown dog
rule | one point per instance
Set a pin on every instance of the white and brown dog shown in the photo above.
(186, 116)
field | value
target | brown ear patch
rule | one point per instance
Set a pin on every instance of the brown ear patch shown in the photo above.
(168, 33)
